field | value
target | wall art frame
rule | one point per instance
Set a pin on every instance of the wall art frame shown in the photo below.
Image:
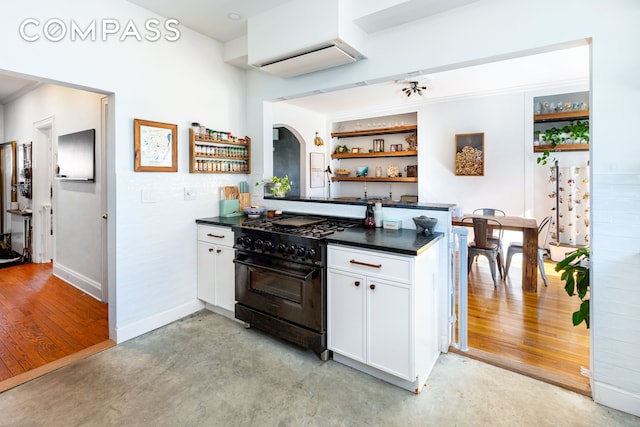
(316, 170)
(155, 146)
(469, 154)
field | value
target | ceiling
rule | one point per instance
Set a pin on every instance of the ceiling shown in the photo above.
(522, 73)
(12, 88)
(210, 17)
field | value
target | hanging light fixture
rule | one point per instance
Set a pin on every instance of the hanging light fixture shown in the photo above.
(414, 87)
(318, 140)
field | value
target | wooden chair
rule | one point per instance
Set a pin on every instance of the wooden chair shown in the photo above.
(481, 245)
(516, 248)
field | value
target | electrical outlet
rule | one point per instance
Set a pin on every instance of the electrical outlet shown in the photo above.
(190, 193)
(149, 196)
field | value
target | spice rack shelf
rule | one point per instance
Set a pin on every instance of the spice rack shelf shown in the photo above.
(209, 155)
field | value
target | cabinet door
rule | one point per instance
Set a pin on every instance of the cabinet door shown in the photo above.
(389, 328)
(225, 287)
(206, 272)
(345, 314)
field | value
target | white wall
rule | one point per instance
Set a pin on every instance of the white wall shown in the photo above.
(77, 211)
(152, 265)
(492, 29)
(500, 118)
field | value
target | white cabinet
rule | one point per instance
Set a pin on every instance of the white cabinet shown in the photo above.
(216, 273)
(381, 313)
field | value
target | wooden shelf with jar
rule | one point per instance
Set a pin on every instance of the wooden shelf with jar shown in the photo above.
(374, 179)
(207, 155)
(561, 116)
(560, 147)
(374, 154)
(378, 131)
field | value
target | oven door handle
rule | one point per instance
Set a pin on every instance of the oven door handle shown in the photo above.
(304, 277)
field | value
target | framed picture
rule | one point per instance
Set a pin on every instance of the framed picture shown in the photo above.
(155, 146)
(469, 160)
(317, 170)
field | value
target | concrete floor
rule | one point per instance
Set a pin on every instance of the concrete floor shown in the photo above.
(207, 370)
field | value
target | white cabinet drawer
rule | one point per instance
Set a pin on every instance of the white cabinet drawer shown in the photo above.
(217, 235)
(372, 263)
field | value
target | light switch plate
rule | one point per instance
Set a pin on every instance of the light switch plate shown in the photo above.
(190, 193)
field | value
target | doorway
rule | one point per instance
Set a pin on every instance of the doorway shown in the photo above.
(286, 158)
(42, 191)
(78, 245)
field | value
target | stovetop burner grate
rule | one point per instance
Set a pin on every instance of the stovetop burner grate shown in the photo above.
(309, 226)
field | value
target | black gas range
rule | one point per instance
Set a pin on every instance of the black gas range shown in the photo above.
(280, 267)
(296, 237)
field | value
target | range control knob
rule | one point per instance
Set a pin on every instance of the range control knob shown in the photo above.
(291, 250)
(311, 253)
(244, 241)
(282, 248)
(259, 244)
(268, 246)
(300, 251)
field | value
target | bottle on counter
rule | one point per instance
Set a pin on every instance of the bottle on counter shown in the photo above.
(369, 220)
(377, 214)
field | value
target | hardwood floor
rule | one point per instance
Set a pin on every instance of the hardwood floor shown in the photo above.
(43, 320)
(526, 332)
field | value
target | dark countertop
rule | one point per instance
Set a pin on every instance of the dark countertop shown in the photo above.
(363, 202)
(225, 222)
(404, 241)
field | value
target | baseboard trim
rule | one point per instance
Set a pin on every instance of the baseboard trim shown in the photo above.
(156, 321)
(615, 398)
(56, 364)
(77, 280)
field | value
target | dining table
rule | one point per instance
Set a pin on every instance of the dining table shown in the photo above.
(529, 229)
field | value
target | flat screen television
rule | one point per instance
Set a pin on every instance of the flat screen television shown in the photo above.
(76, 156)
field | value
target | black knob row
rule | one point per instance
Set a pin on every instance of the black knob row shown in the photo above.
(282, 248)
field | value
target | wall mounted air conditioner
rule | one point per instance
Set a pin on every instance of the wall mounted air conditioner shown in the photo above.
(303, 36)
(307, 62)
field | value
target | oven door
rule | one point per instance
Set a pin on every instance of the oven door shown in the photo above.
(287, 290)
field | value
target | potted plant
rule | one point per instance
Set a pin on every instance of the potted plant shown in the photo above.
(575, 274)
(577, 132)
(276, 185)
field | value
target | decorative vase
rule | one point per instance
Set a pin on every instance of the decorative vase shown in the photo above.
(278, 191)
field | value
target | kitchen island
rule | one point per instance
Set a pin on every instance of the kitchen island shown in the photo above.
(383, 303)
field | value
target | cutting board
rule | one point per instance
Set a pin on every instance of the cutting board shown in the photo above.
(245, 200)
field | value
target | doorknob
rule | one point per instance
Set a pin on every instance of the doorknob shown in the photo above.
(105, 216)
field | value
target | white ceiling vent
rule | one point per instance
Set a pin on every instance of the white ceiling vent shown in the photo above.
(308, 62)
